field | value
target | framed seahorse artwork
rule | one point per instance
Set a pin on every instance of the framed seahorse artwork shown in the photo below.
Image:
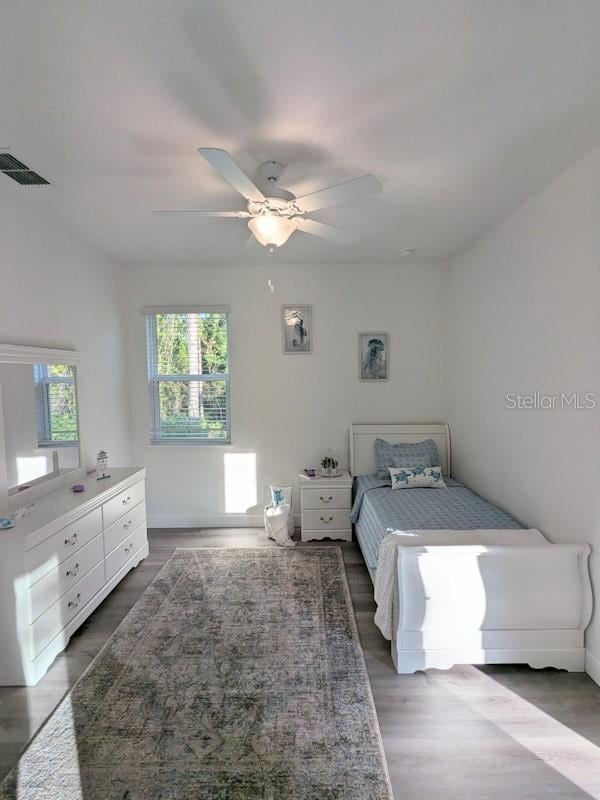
(297, 329)
(373, 351)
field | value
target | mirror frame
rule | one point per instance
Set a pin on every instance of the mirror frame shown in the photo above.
(25, 354)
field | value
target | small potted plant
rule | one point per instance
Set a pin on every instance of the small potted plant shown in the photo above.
(329, 465)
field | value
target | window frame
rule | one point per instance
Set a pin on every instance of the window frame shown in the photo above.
(42, 382)
(154, 377)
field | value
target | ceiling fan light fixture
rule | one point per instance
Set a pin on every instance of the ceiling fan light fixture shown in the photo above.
(271, 230)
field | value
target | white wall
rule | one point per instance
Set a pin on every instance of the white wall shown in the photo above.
(55, 292)
(524, 316)
(288, 408)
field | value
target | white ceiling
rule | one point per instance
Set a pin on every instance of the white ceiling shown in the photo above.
(461, 107)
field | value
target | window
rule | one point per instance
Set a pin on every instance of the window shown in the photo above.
(188, 375)
(56, 405)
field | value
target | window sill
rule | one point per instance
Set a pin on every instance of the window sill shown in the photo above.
(53, 445)
(190, 443)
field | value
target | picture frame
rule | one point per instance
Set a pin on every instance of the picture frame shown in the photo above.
(296, 324)
(373, 357)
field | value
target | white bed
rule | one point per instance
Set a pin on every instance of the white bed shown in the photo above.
(479, 604)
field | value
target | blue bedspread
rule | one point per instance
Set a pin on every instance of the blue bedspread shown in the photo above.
(378, 510)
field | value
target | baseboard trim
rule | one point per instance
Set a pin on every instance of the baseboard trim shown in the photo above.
(210, 521)
(592, 666)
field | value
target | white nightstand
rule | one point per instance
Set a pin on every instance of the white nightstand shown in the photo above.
(325, 505)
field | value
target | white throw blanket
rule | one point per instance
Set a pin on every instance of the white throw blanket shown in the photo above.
(279, 524)
(384, 578)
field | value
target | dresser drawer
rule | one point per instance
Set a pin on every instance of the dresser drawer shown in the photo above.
(122, 503)
(47, 555)
(55, 583)
(325, 498)
(121, 555)
(337, 519)
(118, 532)
(50, 624)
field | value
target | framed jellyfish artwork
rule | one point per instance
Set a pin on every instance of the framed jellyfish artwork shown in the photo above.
(297, 329)
(373, 351)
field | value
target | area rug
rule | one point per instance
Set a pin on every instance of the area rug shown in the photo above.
(237, 675)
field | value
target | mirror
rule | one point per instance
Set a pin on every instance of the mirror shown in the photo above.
(41, 425)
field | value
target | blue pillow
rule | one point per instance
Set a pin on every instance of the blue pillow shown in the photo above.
(281, 495)
(405, 454)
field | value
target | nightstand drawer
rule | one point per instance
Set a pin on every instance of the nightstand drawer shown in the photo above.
(328, 519)
(325, 498)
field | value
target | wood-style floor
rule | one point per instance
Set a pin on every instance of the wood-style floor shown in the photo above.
(481, 733)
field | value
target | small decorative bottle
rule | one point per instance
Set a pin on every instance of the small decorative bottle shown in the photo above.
(102, 465)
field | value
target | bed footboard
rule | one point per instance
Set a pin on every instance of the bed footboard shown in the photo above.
(490, 605)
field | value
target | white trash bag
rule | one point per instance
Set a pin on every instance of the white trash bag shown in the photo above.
(279, 524)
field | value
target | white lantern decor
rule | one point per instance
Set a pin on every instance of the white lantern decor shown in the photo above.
(102, 465)
(329, 465)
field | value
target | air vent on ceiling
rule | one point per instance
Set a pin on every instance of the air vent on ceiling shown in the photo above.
(20, 172)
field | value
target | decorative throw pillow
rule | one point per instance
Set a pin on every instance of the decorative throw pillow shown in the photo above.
(417, 478)
(281, 495)
(404, 454)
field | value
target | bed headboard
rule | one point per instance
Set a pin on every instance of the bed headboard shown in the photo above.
(362, 442)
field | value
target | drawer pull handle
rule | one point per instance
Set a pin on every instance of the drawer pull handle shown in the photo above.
(127, 525)
(73, 572)
(75, 603)
(126, 500)
(128, 548)
(326, 520)
(326, 499)
(72, 541)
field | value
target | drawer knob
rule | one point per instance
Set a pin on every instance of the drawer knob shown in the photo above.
(73, 572)
(128, 548)
(326, 499)
(326, 520)
(72, 540)
(127, 525)
(75, 603)
(126, 500)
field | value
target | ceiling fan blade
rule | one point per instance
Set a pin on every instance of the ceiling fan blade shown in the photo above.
(325, 231)
(341, 193)
(237, 214)
(228, 169)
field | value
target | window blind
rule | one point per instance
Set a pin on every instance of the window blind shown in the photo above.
(188, 374)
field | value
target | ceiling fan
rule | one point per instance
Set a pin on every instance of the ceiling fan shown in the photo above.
(273, 216)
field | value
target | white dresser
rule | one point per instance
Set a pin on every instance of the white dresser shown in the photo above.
(325, 507)
(60, 561)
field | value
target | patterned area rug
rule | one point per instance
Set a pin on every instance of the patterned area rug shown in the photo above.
(238, 674)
